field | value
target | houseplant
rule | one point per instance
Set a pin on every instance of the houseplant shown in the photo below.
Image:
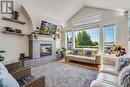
(1, 57)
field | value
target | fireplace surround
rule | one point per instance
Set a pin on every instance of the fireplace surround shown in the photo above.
(43, 47)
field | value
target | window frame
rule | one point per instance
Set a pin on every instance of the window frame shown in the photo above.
(66, 41)
(115, 35)
(88, 28)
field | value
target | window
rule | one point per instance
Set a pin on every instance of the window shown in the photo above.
(129, 23)
(109, 37)
(129, 27)
(88, 38)
(69, 38)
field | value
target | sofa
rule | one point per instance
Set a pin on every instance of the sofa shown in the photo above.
(108, 75)
(85, 56)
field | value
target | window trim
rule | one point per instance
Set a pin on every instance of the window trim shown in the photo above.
(115, 34)
(84, 30)
(66, 38)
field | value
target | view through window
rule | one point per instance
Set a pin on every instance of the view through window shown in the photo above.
(88, 38)
(109, 37)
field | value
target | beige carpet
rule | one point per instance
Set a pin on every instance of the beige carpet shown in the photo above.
(59, 74)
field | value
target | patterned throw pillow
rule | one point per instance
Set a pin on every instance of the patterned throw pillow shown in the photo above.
(124, 77)
(88, 53)
(94, 52)
(81, 52)
(75, 52)
(122, 62)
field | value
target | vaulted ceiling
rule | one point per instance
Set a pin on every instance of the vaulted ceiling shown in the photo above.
(62, 10)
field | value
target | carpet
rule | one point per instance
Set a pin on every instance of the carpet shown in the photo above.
(58, 74)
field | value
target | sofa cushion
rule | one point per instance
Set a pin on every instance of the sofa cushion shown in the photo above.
(94, 52)
(108, 78)
(3, 68)
(6, 80)
(124, 77)
(79, 58)
(109, 69)
(96, 83)
(81, 52)
(122, 62)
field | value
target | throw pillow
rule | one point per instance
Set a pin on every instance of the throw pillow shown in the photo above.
(7, 80)
(3, 68)
(122, 62)
(75, 52)
(94, 52)
(88, 53)
(124, 77)
(81, 52)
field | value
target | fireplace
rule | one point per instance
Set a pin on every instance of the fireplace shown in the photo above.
(45, 50)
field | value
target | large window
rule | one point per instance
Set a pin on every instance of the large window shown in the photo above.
(88, 38)
(129, 27)
(69, 38)
(109, 37)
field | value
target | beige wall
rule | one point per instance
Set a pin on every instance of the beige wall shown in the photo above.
(107, 17)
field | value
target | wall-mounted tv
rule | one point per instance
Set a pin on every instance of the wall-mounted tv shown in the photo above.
(47, 28)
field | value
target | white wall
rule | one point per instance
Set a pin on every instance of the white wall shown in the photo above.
(107, 17)
(14, 44)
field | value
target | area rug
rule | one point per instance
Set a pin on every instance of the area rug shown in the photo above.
(58, 74)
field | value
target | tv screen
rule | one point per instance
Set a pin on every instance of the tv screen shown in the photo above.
(47, 28)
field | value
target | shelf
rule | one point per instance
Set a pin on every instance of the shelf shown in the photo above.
(12, 20)
(13, 33)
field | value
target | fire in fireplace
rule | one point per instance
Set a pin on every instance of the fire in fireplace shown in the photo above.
(45, 50)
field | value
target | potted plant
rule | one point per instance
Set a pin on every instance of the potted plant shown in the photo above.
(61, 51)
(1, 57)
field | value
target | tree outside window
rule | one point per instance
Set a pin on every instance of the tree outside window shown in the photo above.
(88, 38)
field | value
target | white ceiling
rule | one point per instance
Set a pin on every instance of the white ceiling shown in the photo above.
(109, 4)
(62, 10)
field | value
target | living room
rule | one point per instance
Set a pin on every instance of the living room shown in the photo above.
(68, 43)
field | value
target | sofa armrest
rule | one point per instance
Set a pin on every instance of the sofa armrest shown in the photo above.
(96, 83)
(109, 60)
(38, 82)
(98, 59)
(21, 73)
(13, 66)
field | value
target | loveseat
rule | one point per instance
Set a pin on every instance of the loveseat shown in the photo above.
(108, 75)
(85, 56)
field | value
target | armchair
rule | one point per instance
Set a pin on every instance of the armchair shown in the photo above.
(19, 72)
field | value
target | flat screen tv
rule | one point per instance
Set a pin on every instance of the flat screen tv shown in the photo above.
(47, 28)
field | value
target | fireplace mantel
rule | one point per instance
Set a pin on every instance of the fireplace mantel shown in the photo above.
(41, 37)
